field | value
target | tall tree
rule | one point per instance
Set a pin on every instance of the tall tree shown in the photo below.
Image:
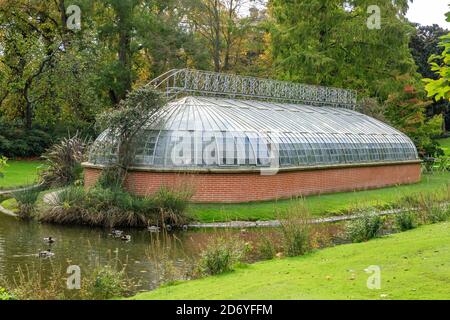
(440, 64)
(115, 19)
(48, 71)
(221, 24)
(438, 85)
(31, 38)
(405, 110)
(424, 44)
(327, 42)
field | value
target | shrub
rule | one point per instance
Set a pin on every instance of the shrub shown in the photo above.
(31, 283)
(5, 295)
(221, 255)
(26, 201)
(96, 207)
(364, 228)
(405, 221)
(63, 162)
(107, 283)
(110, 179)
(71, 196)
(266, 248)
(35, 282)
(113, 208)
(15, 141)
(428, 165)
(173, 205)
(437, 213)
(430, 209)
(295, 230)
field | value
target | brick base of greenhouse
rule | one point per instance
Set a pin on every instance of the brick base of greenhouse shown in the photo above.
(238, 187)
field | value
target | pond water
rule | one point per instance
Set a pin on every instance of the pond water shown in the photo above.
(20, 242)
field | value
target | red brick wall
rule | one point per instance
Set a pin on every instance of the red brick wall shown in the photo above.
(245, 187)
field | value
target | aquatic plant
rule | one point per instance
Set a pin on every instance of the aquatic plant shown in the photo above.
(406, 220)
(116, 208)
(364, 228)
(295, 229)
(26, 201)
(221, 255)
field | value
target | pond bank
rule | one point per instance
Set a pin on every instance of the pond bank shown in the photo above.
(339, 272)
(50, 198)
(7, 212)
(277, 223)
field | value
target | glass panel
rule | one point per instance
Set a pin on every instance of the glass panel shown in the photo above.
(212, 132)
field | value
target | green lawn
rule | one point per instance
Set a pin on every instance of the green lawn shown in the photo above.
(322, 205)
(19, 174)
(414, 265)
(445, 145)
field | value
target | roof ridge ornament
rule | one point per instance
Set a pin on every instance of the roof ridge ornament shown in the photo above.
(179, 82)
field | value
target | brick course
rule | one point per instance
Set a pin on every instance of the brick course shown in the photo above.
(246, 187)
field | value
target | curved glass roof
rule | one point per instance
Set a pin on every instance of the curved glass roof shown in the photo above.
(214, 133)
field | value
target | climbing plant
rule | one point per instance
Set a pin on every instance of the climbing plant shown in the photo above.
(126, 122)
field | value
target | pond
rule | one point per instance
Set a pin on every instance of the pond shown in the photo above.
(20, 242)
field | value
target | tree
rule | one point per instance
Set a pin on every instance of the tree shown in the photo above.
(440, 64)
(115, 31)
(327, 42)
(405, 110)
(220, 24)
(47, 71)
(438, 87)
(31, 37)
(425, 44)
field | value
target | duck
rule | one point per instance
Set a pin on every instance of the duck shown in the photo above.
(154, 229)
(49, 240)
(125, 237)
(46, 254)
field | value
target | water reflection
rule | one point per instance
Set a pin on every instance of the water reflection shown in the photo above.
(20, 243)
(143, 257)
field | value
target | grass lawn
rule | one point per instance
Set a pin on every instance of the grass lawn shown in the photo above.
(445, 145)
(321, 205)
(19, 174)
(414, 265)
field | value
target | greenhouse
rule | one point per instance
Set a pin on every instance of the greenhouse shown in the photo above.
(221, 133)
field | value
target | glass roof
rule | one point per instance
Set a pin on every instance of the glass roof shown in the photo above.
(207, 132)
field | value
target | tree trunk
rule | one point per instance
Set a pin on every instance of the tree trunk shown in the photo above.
(124, 54)
(62, 11)
(228, 40)
(28, 116)
(124, 58)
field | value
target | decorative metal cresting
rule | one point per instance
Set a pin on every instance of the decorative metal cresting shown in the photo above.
(186, 81)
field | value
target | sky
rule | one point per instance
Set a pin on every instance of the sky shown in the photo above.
(425, 12)
(428, 12)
